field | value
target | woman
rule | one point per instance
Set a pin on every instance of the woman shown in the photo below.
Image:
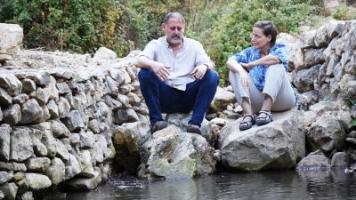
(258, 77)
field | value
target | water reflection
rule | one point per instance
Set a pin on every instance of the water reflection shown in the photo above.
(241, 186)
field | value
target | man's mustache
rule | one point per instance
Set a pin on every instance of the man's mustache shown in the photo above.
(175, 36)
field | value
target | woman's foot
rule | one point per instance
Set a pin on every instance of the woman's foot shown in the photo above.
(247, 122)
(264, 117)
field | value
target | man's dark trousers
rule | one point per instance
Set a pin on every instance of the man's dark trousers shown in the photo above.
(160, 97)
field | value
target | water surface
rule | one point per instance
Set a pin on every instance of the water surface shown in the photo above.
(272, 185)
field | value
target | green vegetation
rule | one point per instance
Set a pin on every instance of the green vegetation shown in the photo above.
(223, 26)
(344, 12)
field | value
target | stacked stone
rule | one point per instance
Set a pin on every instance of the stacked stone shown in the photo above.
(328, 66)
(325, 69)
(11, 40)
(56, 124)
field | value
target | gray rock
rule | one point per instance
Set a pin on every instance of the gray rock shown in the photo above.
(13, 166)
(12, 35)
(97, 151)
(39, 148)
(46, 115)
(84, 184)
(63, 107)
(1, 115)
(74, 120)
(280, 144)
(20, 99)
(27, 196)
(122, 116)
(128, 138)
(40, 78)
(21, 144)
(41, 95)
(50, 143)
(59, 130)
(28, 86)
(94, 126)
(171, 153)
(12, 114)
(5, 131)
(112, 85)
(31, 112)
(134, 100)
(222, 99)
(63, 88)
(72, 167)
(9, 190)
(53, 109)
(5, 176)
(326, 33)
(339, 160)
(326, 133)
(38, 164)
(79, 101)
(315, 161)
(87, 140)
(56, 172)
(304, 79)
(10, 83)
(36, 181)
(62, 151)
(86, 164)
(5, 98)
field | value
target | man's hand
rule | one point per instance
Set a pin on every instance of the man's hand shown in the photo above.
(161, 71)
(199, 71)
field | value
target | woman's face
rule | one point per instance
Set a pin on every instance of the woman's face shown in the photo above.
(258, 39)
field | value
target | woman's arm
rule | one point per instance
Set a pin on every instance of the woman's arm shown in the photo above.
(266, 60)
(234, 66)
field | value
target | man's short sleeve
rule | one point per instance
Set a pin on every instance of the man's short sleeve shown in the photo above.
(279, 50)
(150, 50)
(202, 57)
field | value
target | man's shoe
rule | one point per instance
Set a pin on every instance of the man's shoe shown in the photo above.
(192, 128)
(159, 125)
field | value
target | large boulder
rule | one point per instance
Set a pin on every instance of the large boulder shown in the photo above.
(11, 40)
(280, 144)
(222, 99)
(127, 139)
(171, 153)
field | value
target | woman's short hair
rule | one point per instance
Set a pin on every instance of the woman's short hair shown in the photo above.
(268, 28)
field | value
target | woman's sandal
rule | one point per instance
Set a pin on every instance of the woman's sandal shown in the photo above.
(244, 125)
(264, 117)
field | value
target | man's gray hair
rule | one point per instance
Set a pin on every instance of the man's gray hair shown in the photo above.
(176, 15)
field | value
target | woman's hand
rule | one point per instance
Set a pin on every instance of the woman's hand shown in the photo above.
(245, 79)
(247, 66)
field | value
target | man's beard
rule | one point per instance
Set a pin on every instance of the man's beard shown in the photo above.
(174, 40)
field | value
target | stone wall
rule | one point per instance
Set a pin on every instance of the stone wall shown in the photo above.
(57, 115)
(328, 67)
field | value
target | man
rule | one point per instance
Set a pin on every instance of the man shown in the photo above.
(176, 75)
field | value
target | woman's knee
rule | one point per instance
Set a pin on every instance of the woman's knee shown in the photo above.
(277, 69)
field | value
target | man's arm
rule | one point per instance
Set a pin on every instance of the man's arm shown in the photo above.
(158, 68)
(203, 62)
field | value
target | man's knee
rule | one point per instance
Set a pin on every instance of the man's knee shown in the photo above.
(145, 75)
(211, 77)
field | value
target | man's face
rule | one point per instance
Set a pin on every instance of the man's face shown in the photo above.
(174, 30)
